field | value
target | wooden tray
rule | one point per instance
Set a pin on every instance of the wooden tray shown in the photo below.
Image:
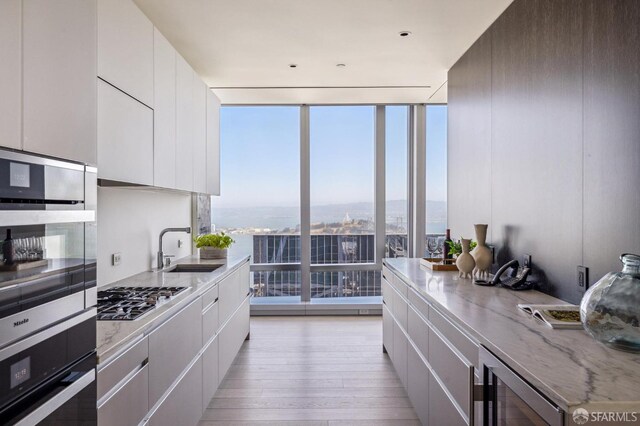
(21, 266)
(439, 264)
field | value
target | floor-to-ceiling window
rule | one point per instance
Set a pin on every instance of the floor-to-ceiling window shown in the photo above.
(436, 175)
(319, 195)
(259, 204)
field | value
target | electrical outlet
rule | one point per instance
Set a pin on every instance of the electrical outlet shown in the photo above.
(493, 254)
(180, 243)
(116, 258)
(363, 311)
(583, 278)
(526, 261)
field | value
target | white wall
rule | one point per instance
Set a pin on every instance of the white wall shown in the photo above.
(130, 221)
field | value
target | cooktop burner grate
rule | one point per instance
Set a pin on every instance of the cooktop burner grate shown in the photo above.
(129, 303)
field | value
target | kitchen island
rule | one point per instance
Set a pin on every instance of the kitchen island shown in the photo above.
(568, 367)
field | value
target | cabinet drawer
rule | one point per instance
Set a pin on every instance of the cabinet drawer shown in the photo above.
(419, 303)
(232, 336)
(172, 347)
(400, 309)
(183, 405)
(210, 377)
(441, 410)
(387, 294)
(129, 404)
(387, 331)
(418, 384)
(418, 331)
(455, 373)
(228, 296)
(210, 323)
(386, 273)
(209, 297)
(457, 337)
(117, 368)
(400, 285)
(400, 346)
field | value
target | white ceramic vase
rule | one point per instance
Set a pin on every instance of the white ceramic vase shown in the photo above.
(465, 261)
(482, 254)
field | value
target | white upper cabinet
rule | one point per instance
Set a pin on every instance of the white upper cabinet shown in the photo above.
(125, 48)
(200, 135)
(213, 143)
(59, 78)
(184, 124)
(164, 113)
(125, 137)
(10, 73)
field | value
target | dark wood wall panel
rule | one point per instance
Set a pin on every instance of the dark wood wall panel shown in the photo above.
(564, 136)
(469, 187)
(537, 137)
(611, 133)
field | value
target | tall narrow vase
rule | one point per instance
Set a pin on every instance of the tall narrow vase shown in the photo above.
(465, 262)
(482, 254)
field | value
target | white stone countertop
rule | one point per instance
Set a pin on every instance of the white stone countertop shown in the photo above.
(568, 366)
(113, 335)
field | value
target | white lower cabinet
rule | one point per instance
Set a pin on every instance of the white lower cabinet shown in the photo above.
(232, 336)
(418, 384)
(172, 346)
(387, 330)
(210, 376)
(441, 410)
(183, 405)
(400, 348)
(129, 404)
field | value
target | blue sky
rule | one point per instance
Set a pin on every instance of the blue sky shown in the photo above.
(260, 155)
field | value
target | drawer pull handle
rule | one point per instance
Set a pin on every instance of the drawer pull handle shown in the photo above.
(215, 300)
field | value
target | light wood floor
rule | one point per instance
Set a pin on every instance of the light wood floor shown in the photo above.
(320, 371)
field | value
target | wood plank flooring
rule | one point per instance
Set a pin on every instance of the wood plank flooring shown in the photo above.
(312, 371)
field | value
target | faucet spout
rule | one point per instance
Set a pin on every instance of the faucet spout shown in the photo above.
(160, 261)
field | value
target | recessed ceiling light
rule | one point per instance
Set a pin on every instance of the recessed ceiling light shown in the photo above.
(292, 65)
(341, 65)
(404, 33)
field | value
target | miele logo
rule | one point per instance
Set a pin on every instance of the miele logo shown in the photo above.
(22, 321)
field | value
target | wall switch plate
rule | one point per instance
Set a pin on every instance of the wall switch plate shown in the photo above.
(363, 311)
(180, 243)
(116, 258)
(526, 261)
(583, 278)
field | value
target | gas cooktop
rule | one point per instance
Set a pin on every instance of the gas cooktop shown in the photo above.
(129, 303)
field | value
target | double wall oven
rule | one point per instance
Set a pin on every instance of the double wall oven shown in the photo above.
(47, 291)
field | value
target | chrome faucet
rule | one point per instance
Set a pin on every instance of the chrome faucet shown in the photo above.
(161, 263)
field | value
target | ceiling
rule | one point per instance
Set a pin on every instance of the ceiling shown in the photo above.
(243, 49)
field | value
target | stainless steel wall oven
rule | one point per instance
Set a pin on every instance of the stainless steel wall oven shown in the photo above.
(47, 290)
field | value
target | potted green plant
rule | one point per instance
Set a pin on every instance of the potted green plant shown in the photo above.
(213, 246)
(455, 247)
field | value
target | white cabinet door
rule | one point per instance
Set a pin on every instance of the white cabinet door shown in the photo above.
(210, 377)
(164, 113)
(418, 384)
(199, 135)
(125, 137)
(213, 144)
(125, 48)
(232, 336)
(11, 74)
(228, 296)
(400, 353)
(183, 406)
(244, 275)
(184, 125)
(387, 330)
(129, 404)
(59, 78)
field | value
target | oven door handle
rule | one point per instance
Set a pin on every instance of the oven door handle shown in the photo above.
(58, 400)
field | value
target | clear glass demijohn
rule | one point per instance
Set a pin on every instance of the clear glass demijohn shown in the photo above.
(610, 310)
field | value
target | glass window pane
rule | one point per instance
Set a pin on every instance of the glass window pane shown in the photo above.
(342, 184)
(259, 205)
(396, 163)
(436, 185)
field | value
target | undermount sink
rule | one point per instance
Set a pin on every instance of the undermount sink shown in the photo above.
(194, 268)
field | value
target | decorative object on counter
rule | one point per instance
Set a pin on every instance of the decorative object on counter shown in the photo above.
(447, 243)
(455, 247)
(437, 264)
(213, 246)
(610, 310)
(8, 249)
(465, 261)
(481, 254)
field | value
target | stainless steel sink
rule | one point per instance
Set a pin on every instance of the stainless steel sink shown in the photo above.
(194, 268)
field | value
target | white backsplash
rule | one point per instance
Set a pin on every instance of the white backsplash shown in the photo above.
(129, 223)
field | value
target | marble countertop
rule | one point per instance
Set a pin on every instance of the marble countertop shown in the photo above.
(568, 366)
(113, 335)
